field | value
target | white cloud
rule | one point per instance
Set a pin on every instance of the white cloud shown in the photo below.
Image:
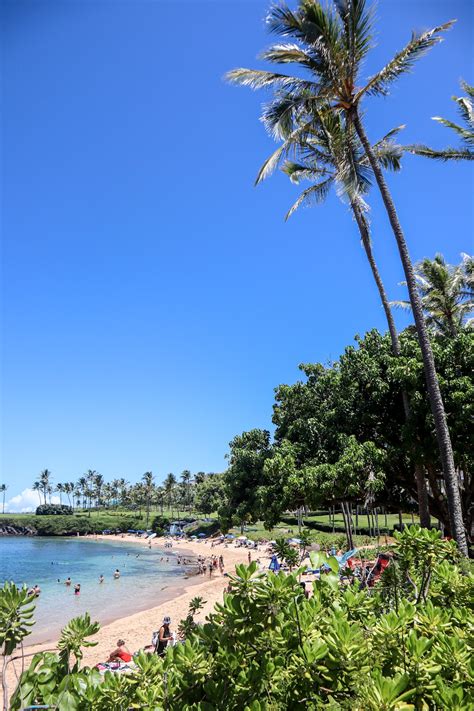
(25, 502)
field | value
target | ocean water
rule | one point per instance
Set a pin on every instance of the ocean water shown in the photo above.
(145, 579)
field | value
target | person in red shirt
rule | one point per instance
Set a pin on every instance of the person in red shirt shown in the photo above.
(120, 654)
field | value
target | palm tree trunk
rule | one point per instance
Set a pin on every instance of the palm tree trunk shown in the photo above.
(366, 241)
(432, 384)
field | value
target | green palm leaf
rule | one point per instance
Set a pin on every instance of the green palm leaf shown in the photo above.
(315, 194)
(444, 155)
(403, 61)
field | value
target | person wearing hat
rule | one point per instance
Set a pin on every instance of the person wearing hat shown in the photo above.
(164, 637)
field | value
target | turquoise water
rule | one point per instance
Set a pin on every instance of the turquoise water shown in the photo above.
(145, 580)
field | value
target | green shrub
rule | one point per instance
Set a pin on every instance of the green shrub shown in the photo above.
(404, 645)
(54, 510)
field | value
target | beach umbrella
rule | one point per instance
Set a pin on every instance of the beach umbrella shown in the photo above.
(230, 535)
(201, 535)
(274, 564)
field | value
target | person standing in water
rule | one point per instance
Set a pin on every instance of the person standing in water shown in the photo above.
(101, 578)
(117, 573)
(77, 588)
(68, 582)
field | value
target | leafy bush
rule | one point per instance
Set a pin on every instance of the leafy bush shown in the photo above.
(54, 510)
(404, 645)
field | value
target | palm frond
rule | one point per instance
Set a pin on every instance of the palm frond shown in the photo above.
(389, 155)
(298, 172)
(465, 110)
(357, 22)
(467, 88)
(291, 54)
(261, 79)
(466, 134)
(405, 305)
(403, 61)
(290, 144)
(444, 155)
(312, 195)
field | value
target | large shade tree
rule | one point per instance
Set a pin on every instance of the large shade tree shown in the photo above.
(328, 46)
(327, 152)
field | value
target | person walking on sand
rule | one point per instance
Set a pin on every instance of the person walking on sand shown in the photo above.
(164, 637)
(250, 557)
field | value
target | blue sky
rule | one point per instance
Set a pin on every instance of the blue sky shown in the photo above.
(152, 297)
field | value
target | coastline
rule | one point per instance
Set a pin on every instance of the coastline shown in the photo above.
(137, 628)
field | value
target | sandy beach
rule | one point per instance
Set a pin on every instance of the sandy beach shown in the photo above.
(137, 629)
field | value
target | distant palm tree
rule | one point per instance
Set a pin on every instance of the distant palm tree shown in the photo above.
(148, 487)
(446, 294)
(186, 481)
(90, 479)
(466, 152)
(44, 482)
(60, 489)
(3, 489)
(98, 484)
(82, 488)
(37, 488)
(329, 46)
(169, 485)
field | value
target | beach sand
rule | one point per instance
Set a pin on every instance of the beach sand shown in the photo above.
(137, 629)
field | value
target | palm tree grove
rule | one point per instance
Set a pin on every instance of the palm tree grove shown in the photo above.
(327, 561)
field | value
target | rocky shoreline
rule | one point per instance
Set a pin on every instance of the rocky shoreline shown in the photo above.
(7, 529)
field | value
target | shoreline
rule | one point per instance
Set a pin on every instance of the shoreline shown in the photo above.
(137, 628)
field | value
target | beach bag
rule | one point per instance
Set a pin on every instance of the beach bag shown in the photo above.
(154, 639)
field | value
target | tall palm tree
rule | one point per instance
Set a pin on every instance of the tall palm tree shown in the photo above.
(148, 486)
(37, 488)
(169, 485)
(446, 294)
(60, 490)
(330, 45)
(186, 480)
(82, 488)
(90, 479)
(98, 484)
(44, 481)
(3, 489)
(466, 132)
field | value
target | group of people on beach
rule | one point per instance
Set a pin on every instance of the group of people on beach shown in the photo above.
(210, 564)
(159, 644)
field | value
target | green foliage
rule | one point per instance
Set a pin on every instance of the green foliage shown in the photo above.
(60, 525)
(16, 616)
(54, 510)
(266, 647)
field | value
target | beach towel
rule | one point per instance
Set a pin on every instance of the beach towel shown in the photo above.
(116, 667)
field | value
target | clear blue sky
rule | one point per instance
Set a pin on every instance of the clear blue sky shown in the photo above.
(152, 297)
